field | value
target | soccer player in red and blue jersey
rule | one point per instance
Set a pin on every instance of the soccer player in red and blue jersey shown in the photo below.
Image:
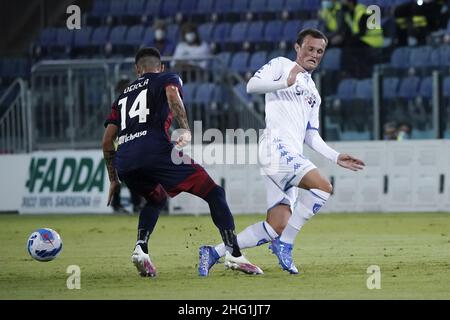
(141, 118)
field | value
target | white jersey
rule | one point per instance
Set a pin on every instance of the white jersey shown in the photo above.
(293, 110)
(292, 118)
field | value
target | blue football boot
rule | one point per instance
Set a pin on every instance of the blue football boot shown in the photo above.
(283, 251)
(207, 257)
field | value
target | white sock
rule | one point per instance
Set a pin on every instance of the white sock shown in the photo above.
(307, 205)
(252, 236)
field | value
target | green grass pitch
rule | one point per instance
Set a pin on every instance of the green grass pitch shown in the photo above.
(333, 252)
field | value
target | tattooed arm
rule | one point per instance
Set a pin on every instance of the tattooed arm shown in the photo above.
(179, 113)
(109, 153)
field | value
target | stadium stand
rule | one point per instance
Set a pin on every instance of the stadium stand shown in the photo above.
(244, 35)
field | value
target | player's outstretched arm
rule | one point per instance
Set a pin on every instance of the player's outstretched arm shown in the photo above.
(109, 153)
(315, 142)
(349, 162)
(179, 113)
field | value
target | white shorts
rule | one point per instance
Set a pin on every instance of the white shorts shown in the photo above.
(283, 169)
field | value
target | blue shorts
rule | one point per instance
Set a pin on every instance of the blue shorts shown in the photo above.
(161, 176)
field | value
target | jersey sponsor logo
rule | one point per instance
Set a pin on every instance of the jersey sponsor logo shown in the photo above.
(310, 97)
(129, 137)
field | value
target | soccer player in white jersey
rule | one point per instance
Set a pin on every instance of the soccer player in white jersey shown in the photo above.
(292, 118)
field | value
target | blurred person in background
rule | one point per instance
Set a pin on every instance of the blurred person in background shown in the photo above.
(390, 131)
(360, 40)
(190, 46)
(417, 19)
(403, 131)
(161, 40)
(331, 15)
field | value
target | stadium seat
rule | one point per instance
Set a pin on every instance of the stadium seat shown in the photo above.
(435, 57)
(364, 89)
(221, 31)
(258, 6)
(117, 8)
(290, 30)
(272, 30)
(311, 5)
(134, 35)
(169, 8)
(426, 87)
(153, 8)
(275, 6)
(223, 6)
(293, 5)
(189, 90)
(400, 58)
(382, 3)
(117, 36)
(238, 32)
(313, 23)
(205, 31)
(204, 93)
(135, 7)
(444, 55)
(241, 90)
(100, 8)
(257, 60)
(408, 87)
(420, 56)
(446, 87)
(82, 37)
(148, 37)
(239, 62)
(187, 7)
(332, 60)
(255, 31)
(390, 86)
(100, 36)
(205, 6)
(173, 32)
(219, 95)
(239, 6)
(64, 37)
(222, 61)
(346, 89)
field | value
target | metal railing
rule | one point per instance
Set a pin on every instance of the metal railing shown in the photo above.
(15, 119)
(70, 100)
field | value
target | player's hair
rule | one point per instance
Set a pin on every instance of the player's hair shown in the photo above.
(310, 32)
(148, 57)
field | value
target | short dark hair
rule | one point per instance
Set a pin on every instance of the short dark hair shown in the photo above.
(315, 33)
(121, 85)
(150, 52)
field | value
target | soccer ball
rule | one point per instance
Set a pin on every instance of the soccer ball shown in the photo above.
(44, 244)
